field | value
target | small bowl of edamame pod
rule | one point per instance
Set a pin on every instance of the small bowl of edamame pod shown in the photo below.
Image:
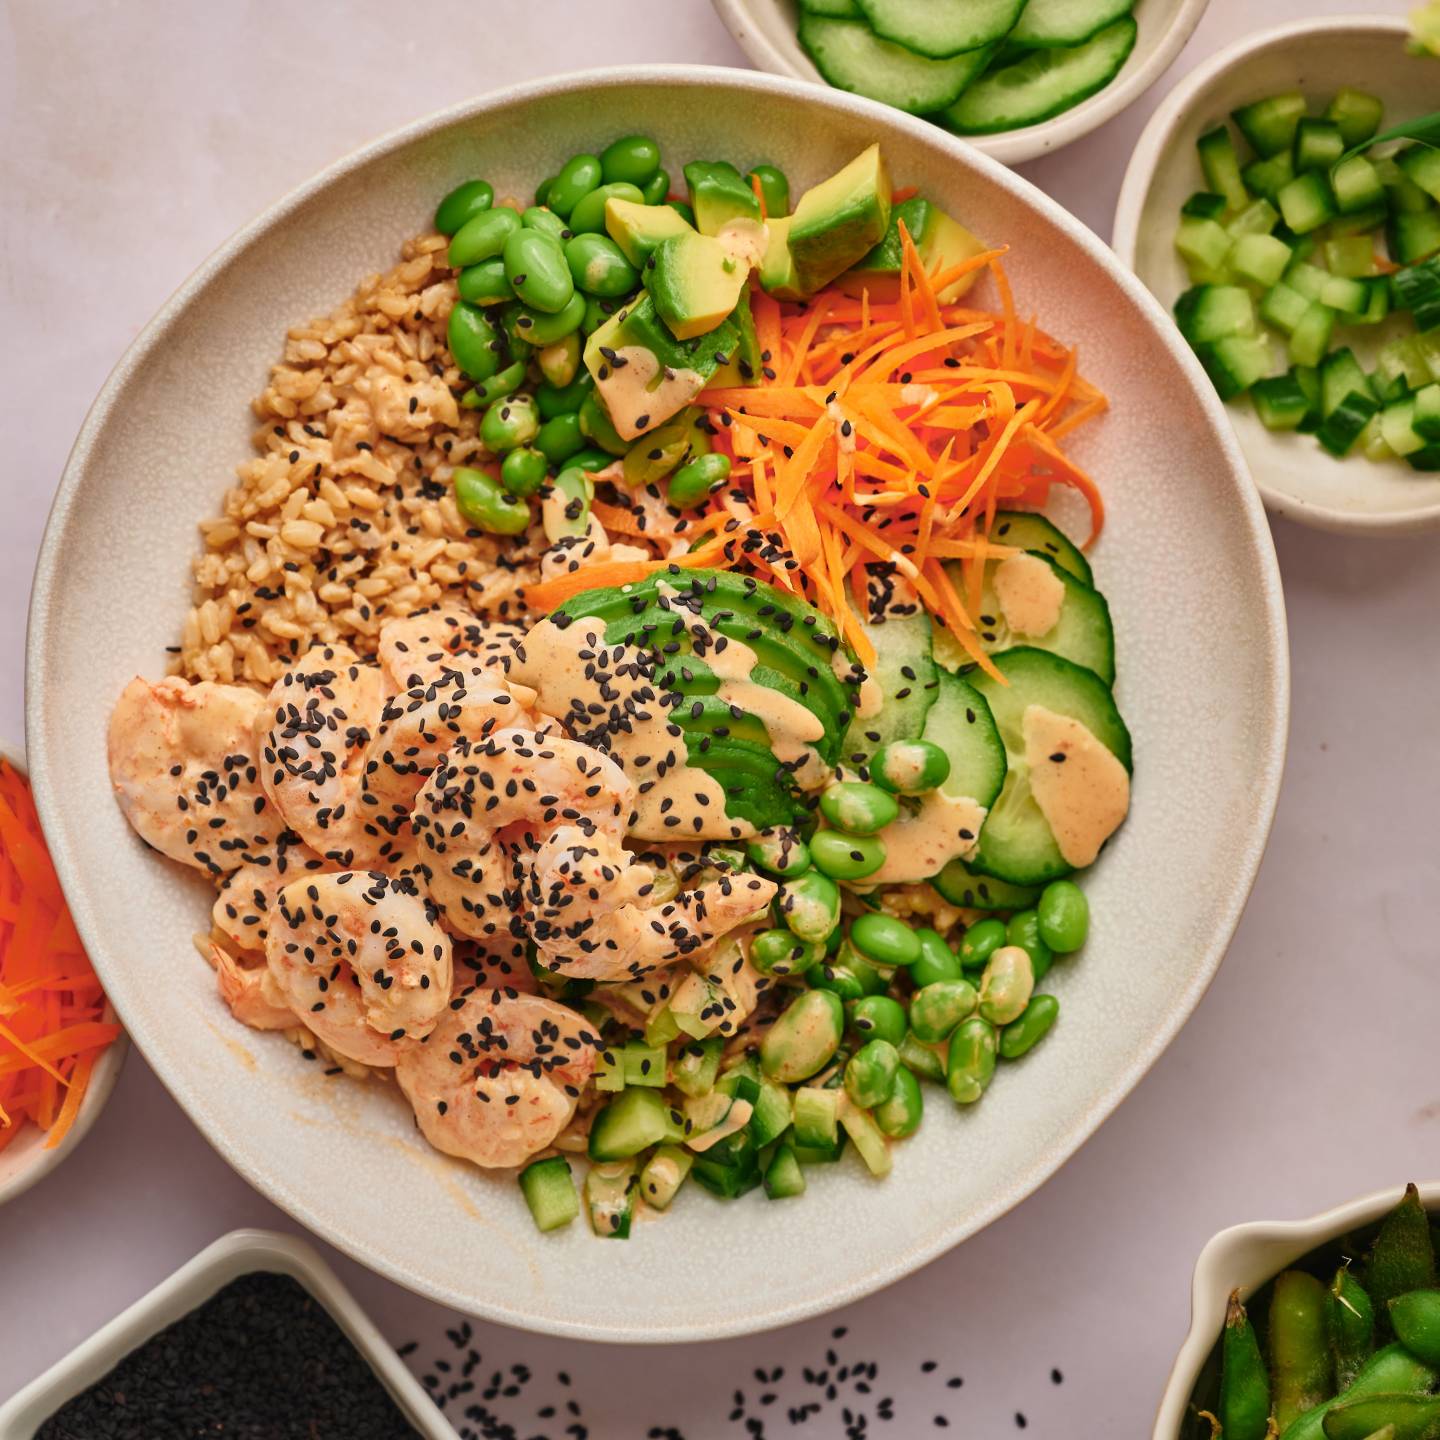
(1329, 1326)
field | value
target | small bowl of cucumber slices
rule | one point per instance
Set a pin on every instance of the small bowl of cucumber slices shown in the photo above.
(1016, 78)
(1284, 203)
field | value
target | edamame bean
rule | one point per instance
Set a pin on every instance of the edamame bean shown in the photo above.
(1064, 916)
(1244, 1408)
(654, 455)
(599, 267)
(656, 188)
(473, 341)
(870, 1073)
(588, 216)
(1299, 1349)
(1025, 1032)
(1391, 1371)
(804, 1038)
(577, 178)
(774, 190)
(878, 1017)
(884, 940)
(1415, 1316)
(541, 329)
(559, 361)
(779, 851)
(682, 210)
(522, 471)
(541, 217)
(691, 483)
(937, 960)
(1350, 1324)
(483, 237)
(597, 425)
(590, 459)
(910, 767)
(1006, 986)
(781, 952)
(847, 974)
(970, 1060)
(503, 382)
(923, 1060)
(564, 399)
(482, 502)
(535, 266)
(484, 283)
(597, 311)
(846, 857)
(632, 157)
(810, 905)
(980, 942)
(857, 808)
(937, 1009)
(559, 439)
(542, 190)
(900, 1114)
(463, 203)
(1023, 930)
(510, 422)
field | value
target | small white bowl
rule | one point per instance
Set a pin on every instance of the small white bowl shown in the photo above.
(26, 1160)
(1246, 1256)
(241, 1252)
(765, 31)
(1295, 476)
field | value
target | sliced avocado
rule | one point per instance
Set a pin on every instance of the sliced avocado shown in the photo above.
(638, 229)
(745, 365)
(719, 193)
(658, 375)
(940, 241)
(840, 220)
(695, 282)
(777, 268)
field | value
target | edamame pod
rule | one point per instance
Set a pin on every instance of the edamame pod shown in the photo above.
(588, 216)
(482, 237)
(503, 382)
(577, 178)
(878, 1017)
(538, 327)
(510, 422)
(900, 1114)
(936, 1010)
(804, 1038)
(595, 421)
(910, 767)
(1416, 1319)
(599, 267)
(870, 1073)
(483, 502)
(980, 942)
(779, 851)
(1390, 1371)
(473, 341)
(1299, 1348)
(774, 189)
(692, 482)
(535, 266)
(463, 203)
(970, 1060)
(1006, 986)
(565, 507)
(632, 157)
(1063, 916)
(1244, 1408)
(1023, 932)
(1390, 1417)
(560, 361)
(884, 940)
(810, 905)
(1025, 1032)
(485, 283)
(522, 471)
(541, 217)
(846, 857)
(1350, 1323)
(560, 439)
(1403, 1256)
(847, 975)
(937, 960)
(780, 952)
(857, 808)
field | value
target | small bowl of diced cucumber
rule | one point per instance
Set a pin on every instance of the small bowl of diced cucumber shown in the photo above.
(1295, 238)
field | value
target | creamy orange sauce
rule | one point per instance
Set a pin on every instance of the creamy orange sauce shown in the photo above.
(921, 844)
(1082, 790)
(744, 239)
(1030, 594)
(639, 396)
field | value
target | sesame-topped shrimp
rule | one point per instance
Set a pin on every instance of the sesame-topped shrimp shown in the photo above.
(361, 960)
(247, 895)
(251, 993)
(184, 769)
(419, 648)
(499, 1077)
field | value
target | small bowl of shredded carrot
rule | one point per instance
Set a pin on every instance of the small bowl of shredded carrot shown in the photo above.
(60, 1046)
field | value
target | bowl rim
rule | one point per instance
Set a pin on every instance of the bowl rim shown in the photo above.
(241, 1252)
(1156, 141)
(49, 576)
(1009, 147)
(102, 1079)
(1212, 1281)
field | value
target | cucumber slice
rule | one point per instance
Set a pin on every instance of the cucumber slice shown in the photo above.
(1310, 338)
(549, 1191)
(1028, 530)
(1203, 243)
(1265, 177)
(1357, 185)
(1269, 125)
(906, 673)
(1259, 217)
(1413, 238)
(852, 57)
(1356, 114)
(772, 1114)
(1318, 145)
(1283, 307)
(663, 1174)
(1280, 402)
(1222, 166)
(632, 1122)
(963, 886)
(1215, 312)
(1260, 258)
(1047, 23)
(960, 723)
(610, 1198)
(817, 1117)
(1015, 842)
(1340, 429)
(1044, 83)
(1341, 375)
(1306, 202)
(1397, 427)
(941, 28)
(784, 1178)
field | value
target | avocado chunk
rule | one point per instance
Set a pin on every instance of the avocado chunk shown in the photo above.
(940, 242)
(637, 229)
(695, 282)
(643, 374)
(777, 266)
(839, 221)
(746, 365)
(719, 193)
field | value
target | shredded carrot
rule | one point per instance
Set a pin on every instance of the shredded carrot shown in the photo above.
(54, 1021)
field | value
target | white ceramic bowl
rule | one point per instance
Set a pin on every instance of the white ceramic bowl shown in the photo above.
(765, 31)
(25, 1161)
(1186, 560)
(1246, 1256)
(1296, 477)
(241, 1252)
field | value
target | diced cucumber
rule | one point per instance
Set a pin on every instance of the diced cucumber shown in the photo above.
(1222, 166)
(1236, 363)
(817, 1116)
(1043, 83)
(1413, 238)
(1269, 124)
(1341, 428)
(1401, 192)
(662, 1027)
(729, 1169)
(1417, 289)
(1213, 312)
(1350, 297)
(1427, 412)
(1310, 338)
(1259, 217)
(1356, 185)
(1308, 280)
(610, 1072)
(1373, 447)
(549, 1190)
(1427, 459)
(644, 1064)
(784, 1179)
(962, 886)
(1356, 114)
(1028, 530)
(1362, 222)
(741, 1083)
(1318, 145)
(1422, 165)
(1427, 347)
(610, 1198)
(1402, 359)
(1282, 307)
(697, 1065)
(1265, 177)
(1397, 426)
(1340, 375)
(1378, 305)
(772, 1114)
(1204, 205)
(1260, 258)
(1352, 256)
(1203, 242)
(1046, 23)
(869, 1139)
(939, 29)
(663, 1174)
(635, 1120)
(1306, 201)
(1307, 377)
(1280, 402)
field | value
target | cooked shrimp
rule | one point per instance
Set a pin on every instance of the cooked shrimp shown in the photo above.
(499, 1077)
(183, 767)
(314, 732)
(419, 648)
(247, 895)
(498, 964)
(361, 960)
(485, 797)
(581, 903)
(251, 993)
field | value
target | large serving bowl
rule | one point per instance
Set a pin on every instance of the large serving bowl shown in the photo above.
(1186, 560)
